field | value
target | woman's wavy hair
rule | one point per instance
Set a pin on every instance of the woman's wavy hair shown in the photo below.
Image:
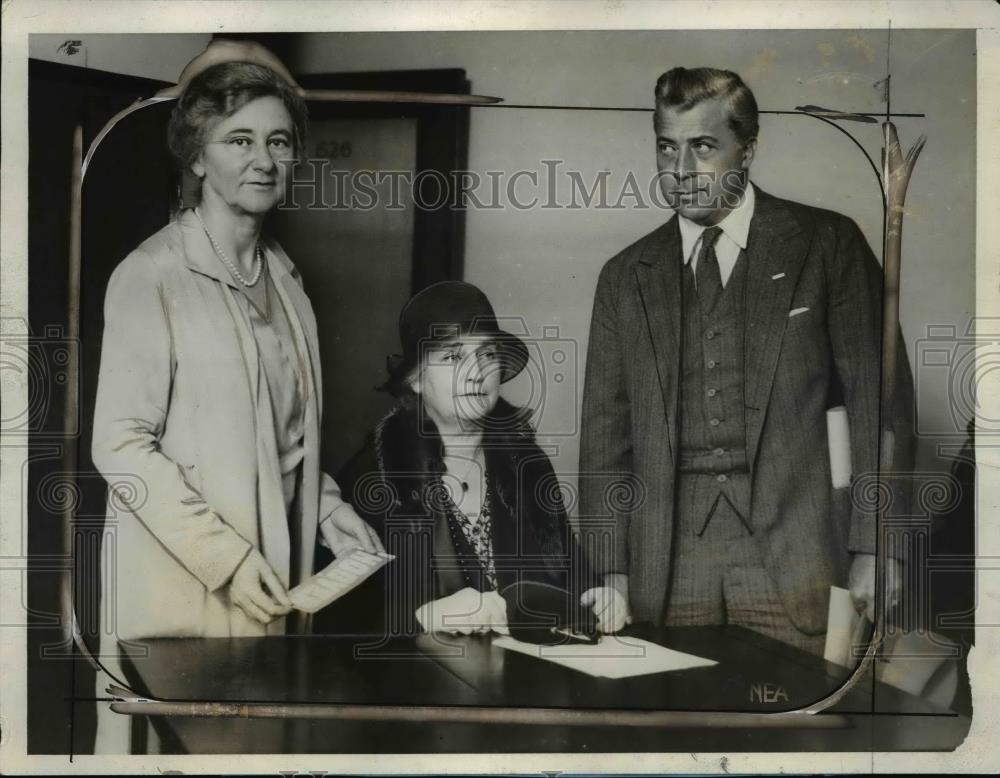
(217, 93)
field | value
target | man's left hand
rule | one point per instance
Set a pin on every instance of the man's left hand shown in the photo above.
(343, 530)
(861, 582)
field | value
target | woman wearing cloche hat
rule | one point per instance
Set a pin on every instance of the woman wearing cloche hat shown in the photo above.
(459, 490)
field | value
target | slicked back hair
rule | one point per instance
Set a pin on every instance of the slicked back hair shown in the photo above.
(686, 87)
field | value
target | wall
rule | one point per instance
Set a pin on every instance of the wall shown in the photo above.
(542, 264)
(151, 56)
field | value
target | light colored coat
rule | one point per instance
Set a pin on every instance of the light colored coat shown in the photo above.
(180, 422)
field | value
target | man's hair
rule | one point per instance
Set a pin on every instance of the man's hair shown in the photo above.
(684, 88)
(219, 92)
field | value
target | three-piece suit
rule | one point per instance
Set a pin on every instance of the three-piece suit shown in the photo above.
(720, 419)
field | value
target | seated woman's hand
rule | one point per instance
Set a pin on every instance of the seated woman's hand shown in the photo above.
(246, 589)
(465, 612)
(343, 530)
(609, 606)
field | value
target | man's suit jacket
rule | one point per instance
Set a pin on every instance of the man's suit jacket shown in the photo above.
(795, 368)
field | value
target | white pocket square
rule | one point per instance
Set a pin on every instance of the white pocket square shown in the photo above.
(796, 312)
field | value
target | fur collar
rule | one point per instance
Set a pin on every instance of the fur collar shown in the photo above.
(407, 444)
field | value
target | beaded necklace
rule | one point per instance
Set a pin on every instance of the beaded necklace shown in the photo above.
(258, 257)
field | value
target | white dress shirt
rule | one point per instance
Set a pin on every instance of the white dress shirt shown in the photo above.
(735, 229)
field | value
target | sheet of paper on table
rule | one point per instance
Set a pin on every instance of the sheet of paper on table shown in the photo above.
(613, 656)
(337, 579)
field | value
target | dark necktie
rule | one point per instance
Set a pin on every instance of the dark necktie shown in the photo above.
(706, 274)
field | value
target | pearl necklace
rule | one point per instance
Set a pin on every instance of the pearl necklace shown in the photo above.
(258, 257)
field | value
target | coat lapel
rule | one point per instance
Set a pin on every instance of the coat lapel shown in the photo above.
(405, 462)
(303, 322)
(776, 250)
(658, 276)
(300, 316)
(198, 252)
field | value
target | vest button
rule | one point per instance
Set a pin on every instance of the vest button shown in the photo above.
(712, 363)
(719, 452)
(710, 334)
(712, 392)
(714, 422)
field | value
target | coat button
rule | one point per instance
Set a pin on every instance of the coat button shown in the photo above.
(714, 422)
(722, 478)
(712, 392)
(712, 363)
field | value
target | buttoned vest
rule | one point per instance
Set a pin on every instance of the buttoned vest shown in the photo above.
(711, 408)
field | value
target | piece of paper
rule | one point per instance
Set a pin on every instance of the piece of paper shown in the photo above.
(613, 656)
(838, 438)
(336, 579)
(841, 624)
(921, 663)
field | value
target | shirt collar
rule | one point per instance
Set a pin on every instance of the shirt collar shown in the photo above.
(736, 225)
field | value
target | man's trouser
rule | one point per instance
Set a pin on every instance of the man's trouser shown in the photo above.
(718, 571)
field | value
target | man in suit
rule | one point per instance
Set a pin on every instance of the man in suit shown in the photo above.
(717, 344)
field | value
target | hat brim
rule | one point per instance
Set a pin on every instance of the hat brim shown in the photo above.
(513, 352)
(513, 355)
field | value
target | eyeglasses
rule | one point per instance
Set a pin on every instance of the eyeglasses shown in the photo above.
(244, 147)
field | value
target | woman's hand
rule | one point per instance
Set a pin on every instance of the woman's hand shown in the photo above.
(610, 607)
(343, 530)
(246, 592)
(465, 612)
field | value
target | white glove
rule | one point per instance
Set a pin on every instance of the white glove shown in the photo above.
(609, 606)
(465, 612)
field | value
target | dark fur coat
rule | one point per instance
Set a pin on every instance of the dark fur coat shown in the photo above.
(393, 484)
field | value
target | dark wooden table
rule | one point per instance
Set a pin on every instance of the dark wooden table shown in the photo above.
(753, 675)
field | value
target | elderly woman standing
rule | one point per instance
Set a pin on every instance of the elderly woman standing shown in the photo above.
(209, 390)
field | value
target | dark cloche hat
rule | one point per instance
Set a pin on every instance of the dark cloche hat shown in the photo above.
(451, 309)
